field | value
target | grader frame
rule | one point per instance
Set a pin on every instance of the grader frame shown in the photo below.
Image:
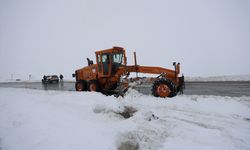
(111, 65)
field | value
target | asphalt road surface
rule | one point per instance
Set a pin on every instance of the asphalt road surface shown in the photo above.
(233, 89)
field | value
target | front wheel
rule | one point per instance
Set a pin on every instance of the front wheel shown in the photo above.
(93, 86)
(164, 88)
(80, 86)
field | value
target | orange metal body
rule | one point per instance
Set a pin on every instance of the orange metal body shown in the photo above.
(108, 79)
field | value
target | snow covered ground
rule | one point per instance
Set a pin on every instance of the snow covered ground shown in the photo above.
(64, 120)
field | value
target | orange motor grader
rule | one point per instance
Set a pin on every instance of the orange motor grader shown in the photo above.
(110, 75)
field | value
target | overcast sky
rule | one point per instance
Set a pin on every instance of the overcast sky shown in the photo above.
(208, 37)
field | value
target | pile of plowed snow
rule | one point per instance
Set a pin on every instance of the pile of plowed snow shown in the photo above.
(49, 120)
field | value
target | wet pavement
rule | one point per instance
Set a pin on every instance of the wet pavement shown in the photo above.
(233, 89)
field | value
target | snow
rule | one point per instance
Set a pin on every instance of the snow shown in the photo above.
(62, 120)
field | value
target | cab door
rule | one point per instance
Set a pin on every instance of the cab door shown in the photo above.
(104, 64)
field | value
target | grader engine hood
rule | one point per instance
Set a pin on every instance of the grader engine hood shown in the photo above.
(86, 73)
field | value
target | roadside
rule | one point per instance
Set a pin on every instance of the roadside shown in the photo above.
(220, 88)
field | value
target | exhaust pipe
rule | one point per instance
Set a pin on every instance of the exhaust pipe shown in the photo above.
(135, 64)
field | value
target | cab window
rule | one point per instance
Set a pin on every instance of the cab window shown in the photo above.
(99, 58)
(105, 62)
(99, 63)
(105, 58)
(118, 58)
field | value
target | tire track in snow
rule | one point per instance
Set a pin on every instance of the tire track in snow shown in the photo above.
(150, 134)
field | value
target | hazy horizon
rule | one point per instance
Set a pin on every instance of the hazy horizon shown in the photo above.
(208, 38)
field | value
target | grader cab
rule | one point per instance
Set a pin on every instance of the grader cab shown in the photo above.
(110, 75)
(108, 61)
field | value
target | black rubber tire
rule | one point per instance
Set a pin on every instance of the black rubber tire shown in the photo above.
(95, 82)
(80, 83)
(167, 82)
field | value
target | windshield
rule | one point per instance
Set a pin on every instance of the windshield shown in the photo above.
(118, 58)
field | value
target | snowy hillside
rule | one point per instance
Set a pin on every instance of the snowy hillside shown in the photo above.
(220, 78)
(56, 120)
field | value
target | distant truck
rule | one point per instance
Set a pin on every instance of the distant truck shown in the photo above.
(50, 79)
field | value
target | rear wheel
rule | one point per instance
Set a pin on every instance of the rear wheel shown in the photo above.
(164, 88)
(80, 86)
(93, 86)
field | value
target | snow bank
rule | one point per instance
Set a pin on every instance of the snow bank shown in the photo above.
(220, 78)
(53, 120)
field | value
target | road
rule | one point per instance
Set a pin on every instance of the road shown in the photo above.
(232, 89)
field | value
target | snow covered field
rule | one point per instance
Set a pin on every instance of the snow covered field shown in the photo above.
(62, 120)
